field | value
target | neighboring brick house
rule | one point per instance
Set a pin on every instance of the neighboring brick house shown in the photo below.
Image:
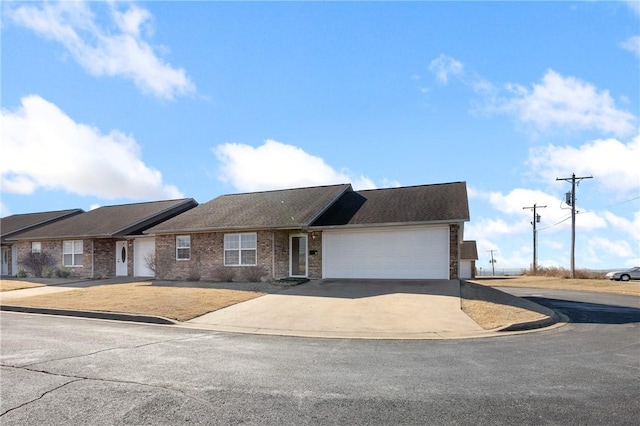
(104, 242)
(17, 223)
(320, 232)
(468, 257)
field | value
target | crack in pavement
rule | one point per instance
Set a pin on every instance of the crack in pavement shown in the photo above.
(110, 349)
(95, 379)
(24, 404)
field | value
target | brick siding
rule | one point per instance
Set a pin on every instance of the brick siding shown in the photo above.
(207, 255)
(454, 251)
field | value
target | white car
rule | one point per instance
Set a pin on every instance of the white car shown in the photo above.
(629, 274)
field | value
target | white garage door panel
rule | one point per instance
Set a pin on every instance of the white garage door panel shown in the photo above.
(142, 247)
(416, 253)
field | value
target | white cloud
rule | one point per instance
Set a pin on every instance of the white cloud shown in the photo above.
(275, 165)
(444, 66)
(4, 210)
(598, 248)
(632, 44)
(42, 147)
(614, 164)
(631, 228)
(568, 103)
(101, 52)
(634, 5)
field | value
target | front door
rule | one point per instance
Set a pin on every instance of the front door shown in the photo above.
(5, 260)
(121, 258)
(298, 259)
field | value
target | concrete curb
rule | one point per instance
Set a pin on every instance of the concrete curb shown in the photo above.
(113, 316)
(557, 319)
(534, 325)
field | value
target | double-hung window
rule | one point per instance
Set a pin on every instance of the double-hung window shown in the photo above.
(183, 247)
(72, 253)
(240, 249)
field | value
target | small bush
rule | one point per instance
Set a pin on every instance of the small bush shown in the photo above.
(62, 272)
(37, 262)
(47, 272)
(224, 274)
(254, 274)
(22, 273)
(194, 275)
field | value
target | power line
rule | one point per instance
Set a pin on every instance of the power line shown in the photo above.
(556, 224)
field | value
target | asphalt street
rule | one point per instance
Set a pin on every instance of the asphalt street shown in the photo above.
(58, 370)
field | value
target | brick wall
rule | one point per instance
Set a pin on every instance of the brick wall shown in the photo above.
(315, 260)
(454, 251)
(207, 255)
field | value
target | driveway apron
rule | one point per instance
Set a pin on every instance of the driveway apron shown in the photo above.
(351, 308)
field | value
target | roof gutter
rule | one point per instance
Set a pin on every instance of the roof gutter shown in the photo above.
(387, 224)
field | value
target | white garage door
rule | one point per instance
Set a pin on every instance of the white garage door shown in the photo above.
(408, 253)
(142, 249)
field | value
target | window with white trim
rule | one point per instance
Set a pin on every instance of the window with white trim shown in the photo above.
(241, 249)
(72, 253)
(183, 247)
(36, 247)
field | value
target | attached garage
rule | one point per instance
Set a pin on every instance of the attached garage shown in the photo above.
(386, 253)
(143, 248)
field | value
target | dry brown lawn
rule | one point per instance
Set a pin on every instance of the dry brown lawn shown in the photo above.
(492, 308)
(8, 285)
(601, 286)
(178, 303)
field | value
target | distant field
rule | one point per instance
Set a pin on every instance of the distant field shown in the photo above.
(595, 285)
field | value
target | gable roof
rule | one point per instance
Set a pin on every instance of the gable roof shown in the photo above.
(16, 223)
(110, 221)
(469, 250)
(445, 202)
(281, 209)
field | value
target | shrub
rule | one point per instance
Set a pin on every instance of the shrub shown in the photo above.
(224, 274)
(62, 272)
(22, 273)
(36, 262)
(254, 274)
(560, 272)
(47, 272)
(194, 275)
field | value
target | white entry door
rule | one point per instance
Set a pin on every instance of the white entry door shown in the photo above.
(5, 260)
(298, 259)
(121, 258)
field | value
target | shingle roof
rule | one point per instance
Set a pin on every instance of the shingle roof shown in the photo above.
(469, 250)
(16, 223)
(110, 221)
(281, 209)
(444, 202)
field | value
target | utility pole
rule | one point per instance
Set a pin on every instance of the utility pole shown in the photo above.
(536, 219)
(493, 263)
(571, 200)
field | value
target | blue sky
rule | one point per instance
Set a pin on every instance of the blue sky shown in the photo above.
(117, 102)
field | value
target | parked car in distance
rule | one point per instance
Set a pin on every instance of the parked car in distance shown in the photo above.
(629, 274)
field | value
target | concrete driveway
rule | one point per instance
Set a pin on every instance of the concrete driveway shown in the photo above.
(351, 308)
